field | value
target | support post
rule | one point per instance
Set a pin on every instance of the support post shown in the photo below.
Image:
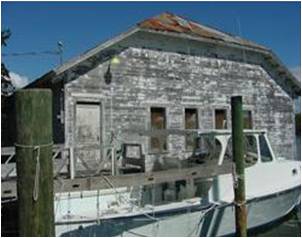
(238, 152)
(113, 170)
(34, 162)
(71, 163)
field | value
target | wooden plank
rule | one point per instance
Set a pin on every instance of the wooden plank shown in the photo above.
(11, 150)
(7, 150)
(9, 189)
(8, 170)
(137, 179)
(161, 132)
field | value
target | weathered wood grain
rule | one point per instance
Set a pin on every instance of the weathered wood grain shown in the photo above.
(8, 188)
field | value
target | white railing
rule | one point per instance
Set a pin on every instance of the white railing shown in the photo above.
(61, 159)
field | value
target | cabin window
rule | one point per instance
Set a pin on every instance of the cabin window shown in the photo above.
(220, 119)
(158, 122)
(265, 152)
(208, 148)
(250, 151)
(247, 120)
(191, 123)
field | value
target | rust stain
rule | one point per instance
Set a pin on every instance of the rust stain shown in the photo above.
(172, 23)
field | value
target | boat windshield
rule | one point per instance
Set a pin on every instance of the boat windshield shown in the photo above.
(208, 147)
(265, 153)
(250, 150)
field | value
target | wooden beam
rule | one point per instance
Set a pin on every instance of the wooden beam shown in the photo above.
(11, 150)
(137, 179)
(161, 132)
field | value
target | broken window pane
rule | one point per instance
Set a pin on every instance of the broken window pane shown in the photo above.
(158, 122)
(220, 119)
(247, 120)
(191, 123)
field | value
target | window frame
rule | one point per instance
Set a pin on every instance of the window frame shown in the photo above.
(222, 108)
(268, 146)
(151, 150)
(184, 123)
(252, 117)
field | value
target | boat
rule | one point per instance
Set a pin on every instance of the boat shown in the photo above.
(194, 206)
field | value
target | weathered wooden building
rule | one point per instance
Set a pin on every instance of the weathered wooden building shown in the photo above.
(173, 74)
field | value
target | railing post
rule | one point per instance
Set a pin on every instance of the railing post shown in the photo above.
(34, 162)
(71, 163)
(238, 151)
(113, 171)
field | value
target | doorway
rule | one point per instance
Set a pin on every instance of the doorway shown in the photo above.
(88, 136)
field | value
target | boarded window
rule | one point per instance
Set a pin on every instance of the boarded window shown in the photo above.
(158, 122)
(247, 120)
(191, 123)
(220, 119)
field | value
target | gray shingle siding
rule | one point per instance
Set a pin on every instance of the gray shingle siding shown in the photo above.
(148, 77)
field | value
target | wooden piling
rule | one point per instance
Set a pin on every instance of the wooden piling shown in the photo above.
(34, 162)
(238, 152)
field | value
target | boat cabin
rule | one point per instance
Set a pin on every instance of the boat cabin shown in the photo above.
(212, 148)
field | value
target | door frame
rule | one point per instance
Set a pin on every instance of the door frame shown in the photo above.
(81, 102)
(86, 98)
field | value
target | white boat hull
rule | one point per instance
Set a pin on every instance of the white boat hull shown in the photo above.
(192, 221)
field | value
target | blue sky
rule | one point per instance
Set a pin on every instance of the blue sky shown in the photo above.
(81, 25)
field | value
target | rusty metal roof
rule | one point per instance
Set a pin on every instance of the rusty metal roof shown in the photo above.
(168, 22)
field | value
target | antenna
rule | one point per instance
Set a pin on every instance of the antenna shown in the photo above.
(240, 35)
(60, 51)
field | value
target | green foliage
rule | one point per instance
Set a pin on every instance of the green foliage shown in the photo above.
(5, 34)
(7, 88)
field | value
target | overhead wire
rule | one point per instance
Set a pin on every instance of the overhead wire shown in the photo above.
(32, 53)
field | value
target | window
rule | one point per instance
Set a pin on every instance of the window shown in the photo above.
(191, 123)
(250, 154)
(220, 119)
(158, 122)
(247, 120)
(250, 150)
(265, 152)
(208, 148)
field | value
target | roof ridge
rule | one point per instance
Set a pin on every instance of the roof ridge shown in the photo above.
(167, 21)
